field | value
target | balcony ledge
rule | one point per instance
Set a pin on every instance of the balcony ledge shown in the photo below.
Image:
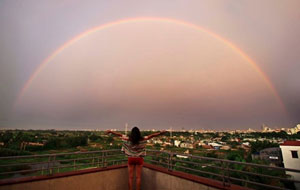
(148, 171)
(197, 179)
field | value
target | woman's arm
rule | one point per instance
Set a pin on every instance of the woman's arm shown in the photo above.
(154, 135)
(114, 133)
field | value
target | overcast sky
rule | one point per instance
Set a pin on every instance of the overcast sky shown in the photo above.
(151, 73)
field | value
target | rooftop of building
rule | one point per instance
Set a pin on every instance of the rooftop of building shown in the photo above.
(290, 143)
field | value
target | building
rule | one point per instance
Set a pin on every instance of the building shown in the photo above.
(181, 156)
(158, 141)
(215, 145)
(208, 147)
(186, 145)
(35, 144)
(273, 155)
(290, 154)
(225, 147)
(177, 143)
(294, 130)
(250, 130)
(265, 128)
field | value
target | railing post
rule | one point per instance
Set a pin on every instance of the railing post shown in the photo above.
(74, 164)
(223, 172)
(102, 164)
(48, 165)
(170, 161)
(228, 174)
(105, 160)
(53, 161)
(93, 162)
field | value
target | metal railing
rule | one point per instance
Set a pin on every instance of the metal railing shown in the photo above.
(48, 164)
(256, 176)
(229, 172)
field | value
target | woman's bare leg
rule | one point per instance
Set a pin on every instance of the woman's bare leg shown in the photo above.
(138, 176)
(130, 176)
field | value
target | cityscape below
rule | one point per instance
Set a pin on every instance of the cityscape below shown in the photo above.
(269, 147)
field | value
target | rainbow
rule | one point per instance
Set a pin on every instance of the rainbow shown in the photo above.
(144, 19)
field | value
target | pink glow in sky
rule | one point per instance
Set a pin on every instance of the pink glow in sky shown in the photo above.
(152, 73)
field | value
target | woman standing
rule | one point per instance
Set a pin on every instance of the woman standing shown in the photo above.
(134, 147)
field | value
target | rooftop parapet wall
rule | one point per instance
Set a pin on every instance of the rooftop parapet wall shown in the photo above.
(157, 178)
(110, 178)
(113, 178)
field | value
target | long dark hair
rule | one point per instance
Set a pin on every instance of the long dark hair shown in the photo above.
(135, 136)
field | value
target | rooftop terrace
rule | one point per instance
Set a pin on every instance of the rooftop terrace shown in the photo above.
(162, 170)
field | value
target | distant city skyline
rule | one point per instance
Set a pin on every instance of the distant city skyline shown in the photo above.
(202, 64)
(263, 128)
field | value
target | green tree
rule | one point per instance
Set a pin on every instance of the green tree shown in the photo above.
(6, 138)
(260, 145)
